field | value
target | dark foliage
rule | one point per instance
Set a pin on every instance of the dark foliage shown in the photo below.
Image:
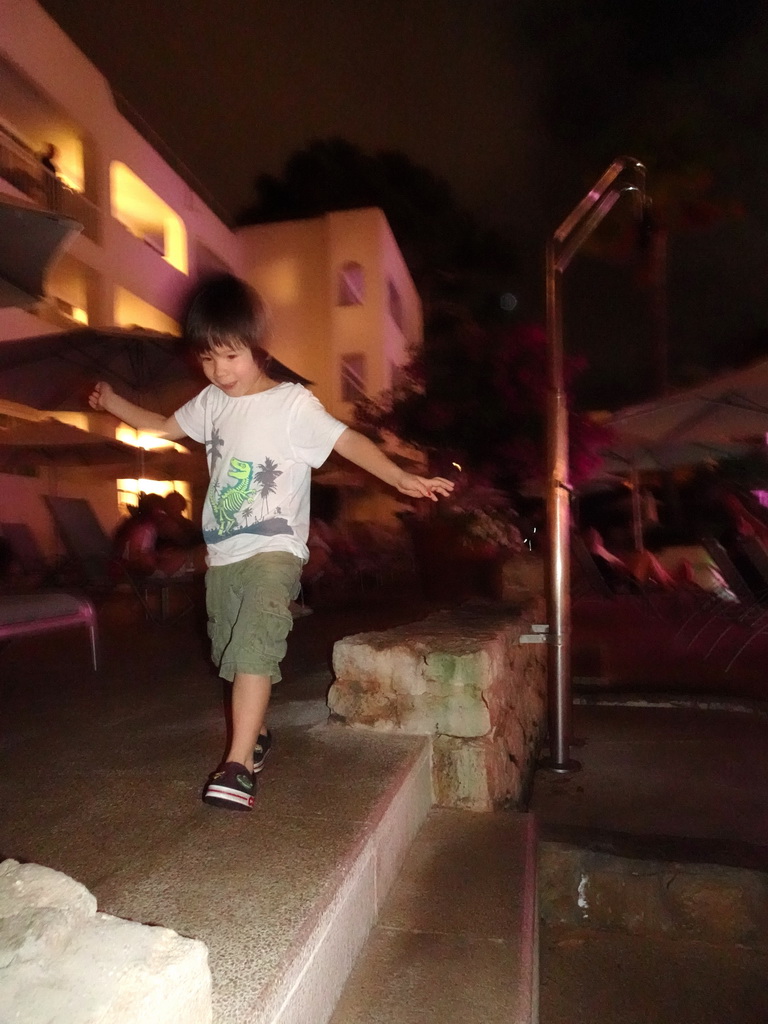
(444, 246)
(477, 396)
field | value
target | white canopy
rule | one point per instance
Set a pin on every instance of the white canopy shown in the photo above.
(726, 409)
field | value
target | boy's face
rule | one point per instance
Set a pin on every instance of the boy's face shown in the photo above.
(232, 369)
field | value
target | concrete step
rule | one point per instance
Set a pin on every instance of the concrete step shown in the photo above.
(457, 938)
(284, 897)
(296, 895)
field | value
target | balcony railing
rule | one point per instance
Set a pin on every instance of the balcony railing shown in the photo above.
(23, 170)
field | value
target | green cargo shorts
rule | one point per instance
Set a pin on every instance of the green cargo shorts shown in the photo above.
(249, 615)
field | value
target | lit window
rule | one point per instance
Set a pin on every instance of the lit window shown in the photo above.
(351, 285)
(353, 377)
(148, 217)
(131, 311)
(71, 312)
(129, 490)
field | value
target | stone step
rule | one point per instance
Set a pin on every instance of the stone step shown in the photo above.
(285, 907)
(284, 897)
(457, 940)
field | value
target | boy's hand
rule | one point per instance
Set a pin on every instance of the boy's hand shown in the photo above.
(100, 396)
(421, 487)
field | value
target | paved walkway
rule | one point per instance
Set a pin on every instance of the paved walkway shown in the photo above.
(674, 755)
(662, 781)
(154, 678)
(100, 775)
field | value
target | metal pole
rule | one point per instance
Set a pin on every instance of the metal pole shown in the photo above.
(558, 533)
(564, 244)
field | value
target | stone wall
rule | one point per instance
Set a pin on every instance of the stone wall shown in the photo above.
(715, 903)
(62, 961)
(462, 677)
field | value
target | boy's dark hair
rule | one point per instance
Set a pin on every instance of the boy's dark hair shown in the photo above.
(225, 311)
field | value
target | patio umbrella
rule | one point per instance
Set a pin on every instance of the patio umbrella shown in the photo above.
(48, 442)
(712, 420)
(58, 371)
(70, 446)
(31, 239)
(629, 454)
(729, 408)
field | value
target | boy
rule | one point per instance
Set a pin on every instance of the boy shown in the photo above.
(263, 435)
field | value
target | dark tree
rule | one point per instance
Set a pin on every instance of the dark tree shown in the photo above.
(451, 257)
(476, 395)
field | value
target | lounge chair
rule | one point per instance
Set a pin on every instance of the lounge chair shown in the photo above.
(33, 614)
(740, 621)
(734, 579)
(91, 555)
(755, 554)
(587, 580)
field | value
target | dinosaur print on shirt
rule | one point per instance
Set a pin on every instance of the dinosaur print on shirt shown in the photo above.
(233, 504)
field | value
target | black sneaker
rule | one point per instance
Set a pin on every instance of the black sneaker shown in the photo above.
(260, 751)
(231, 786)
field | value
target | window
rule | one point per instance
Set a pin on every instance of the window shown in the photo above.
(353, 377)
(76, 313)
(351, 285)
(395, 304)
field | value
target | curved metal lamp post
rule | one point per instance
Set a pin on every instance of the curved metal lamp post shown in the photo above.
(624, 175)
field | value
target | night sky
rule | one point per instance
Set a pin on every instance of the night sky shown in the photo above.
(519, 105)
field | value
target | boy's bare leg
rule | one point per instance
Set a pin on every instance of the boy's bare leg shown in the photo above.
(250, 699)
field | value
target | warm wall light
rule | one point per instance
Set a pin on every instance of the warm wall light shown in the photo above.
(131, 311)
(141, 439)
(70, 161)
(148, 216)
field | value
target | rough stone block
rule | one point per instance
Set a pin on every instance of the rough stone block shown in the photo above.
(39, 908)
(32, 885)
(460, 773)
(462, 677)
(474, 774)
(62, 961)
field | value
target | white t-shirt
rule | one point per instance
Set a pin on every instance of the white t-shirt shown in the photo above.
(261, 450)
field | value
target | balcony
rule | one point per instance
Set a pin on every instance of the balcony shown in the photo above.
(22, 169)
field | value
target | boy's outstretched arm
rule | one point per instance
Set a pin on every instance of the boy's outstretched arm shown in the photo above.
(103, 397)
(364, 453)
